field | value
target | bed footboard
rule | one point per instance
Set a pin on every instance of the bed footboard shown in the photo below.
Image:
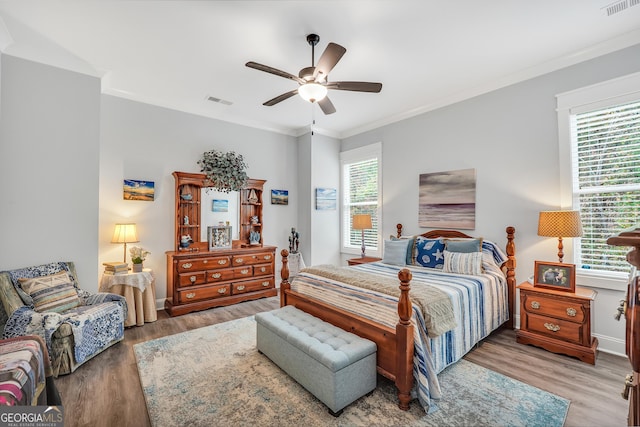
(394, 356)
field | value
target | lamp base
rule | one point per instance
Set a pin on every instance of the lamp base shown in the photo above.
(363, 246)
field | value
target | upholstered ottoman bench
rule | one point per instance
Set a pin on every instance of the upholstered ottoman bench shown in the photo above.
(336, 366)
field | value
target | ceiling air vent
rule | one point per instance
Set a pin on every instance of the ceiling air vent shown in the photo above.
(218, 100)
(620, 6)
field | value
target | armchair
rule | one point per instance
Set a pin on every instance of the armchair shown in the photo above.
(75, 324)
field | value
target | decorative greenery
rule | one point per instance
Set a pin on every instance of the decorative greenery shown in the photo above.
(138, 254)
(226, 171)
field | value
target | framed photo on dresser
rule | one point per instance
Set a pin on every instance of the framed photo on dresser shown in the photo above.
(555, 275)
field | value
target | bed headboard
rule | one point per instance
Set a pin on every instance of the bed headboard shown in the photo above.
(509, 266)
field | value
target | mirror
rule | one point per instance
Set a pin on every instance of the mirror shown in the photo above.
(217, 207)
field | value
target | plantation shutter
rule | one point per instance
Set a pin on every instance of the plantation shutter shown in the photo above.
(361, 193)
(606, 173)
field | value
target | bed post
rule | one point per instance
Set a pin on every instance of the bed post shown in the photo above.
(510, 265)
(284, 274)
(404, 342)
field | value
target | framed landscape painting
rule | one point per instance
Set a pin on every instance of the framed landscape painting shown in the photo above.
(279, 197)
(326, 199)
(138, 190)
(448, 199)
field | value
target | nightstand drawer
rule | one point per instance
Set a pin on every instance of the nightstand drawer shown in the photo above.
(555, 328)
(559, 308)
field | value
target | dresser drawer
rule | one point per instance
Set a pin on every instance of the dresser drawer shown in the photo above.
(253, 285)
(242, 272)
(262, 269)
(196, 264)
(190, 279)
(209, 292)
(542, 305)
(556, 328)
(219, 275)
(251, 259)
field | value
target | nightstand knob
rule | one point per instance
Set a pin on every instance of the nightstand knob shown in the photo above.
(552, 327)
(535, 305)
(571, 312)
(192, 279)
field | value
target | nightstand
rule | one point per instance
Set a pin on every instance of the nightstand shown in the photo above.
(363, 260)
(557, 321)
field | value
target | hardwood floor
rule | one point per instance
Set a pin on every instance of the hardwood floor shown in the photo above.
(106, 390)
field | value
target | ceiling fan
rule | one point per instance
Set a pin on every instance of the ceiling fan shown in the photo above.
(313, 80)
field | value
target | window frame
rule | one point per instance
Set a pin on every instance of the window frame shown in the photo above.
(356, 155)
(625, 89)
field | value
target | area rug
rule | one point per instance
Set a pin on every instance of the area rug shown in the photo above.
(215, 376)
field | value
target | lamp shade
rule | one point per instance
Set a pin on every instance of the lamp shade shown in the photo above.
(312, 92)
(125, 233)
(362, 222)
(559, 224)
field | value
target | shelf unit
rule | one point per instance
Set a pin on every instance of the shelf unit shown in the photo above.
(251, 208)
(188, 183)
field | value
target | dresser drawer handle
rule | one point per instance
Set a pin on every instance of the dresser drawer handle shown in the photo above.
(222, 261)
(216, 275)
(187, 265)
(245, 271)
(265, 283)
(239, 260)
(192, 279)
(571, 312)
(205, 261)
(222, 290)
(552, 327)
(190, 295)
(240, 288)
(267, 257)
(535, 305)
(263, 269)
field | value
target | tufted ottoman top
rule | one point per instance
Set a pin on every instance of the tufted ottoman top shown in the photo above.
(335, 348)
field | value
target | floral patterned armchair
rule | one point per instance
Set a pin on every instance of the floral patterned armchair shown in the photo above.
(46, 300)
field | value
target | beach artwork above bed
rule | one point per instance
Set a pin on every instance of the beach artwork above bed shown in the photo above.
(448, 199)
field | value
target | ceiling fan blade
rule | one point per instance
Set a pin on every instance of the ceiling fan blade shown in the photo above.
(275, 71)
(280, 98)
(355, 86)
(328, 60)
(326, 106)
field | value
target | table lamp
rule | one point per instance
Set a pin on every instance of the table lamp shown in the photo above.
(125, 233)
(560, 224)
(362, 222)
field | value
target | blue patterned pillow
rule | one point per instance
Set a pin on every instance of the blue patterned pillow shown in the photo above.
(430, 252)
(493, 252)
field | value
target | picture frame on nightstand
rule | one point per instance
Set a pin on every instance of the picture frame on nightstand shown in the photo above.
(555, 275)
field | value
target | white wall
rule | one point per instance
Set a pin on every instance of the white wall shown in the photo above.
(510, 137)
(49, 147)
(144, 142)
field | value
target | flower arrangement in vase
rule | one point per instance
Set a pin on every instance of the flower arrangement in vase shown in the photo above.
(138, 255)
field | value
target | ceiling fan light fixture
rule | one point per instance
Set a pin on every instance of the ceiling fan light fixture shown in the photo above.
(312, 92)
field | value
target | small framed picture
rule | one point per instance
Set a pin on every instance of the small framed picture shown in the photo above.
(555, 275)
(279, 197)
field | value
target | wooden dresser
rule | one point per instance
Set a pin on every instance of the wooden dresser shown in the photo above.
(557, 321)
(201, 280)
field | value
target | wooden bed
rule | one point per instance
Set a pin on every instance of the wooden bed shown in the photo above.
(395, 346)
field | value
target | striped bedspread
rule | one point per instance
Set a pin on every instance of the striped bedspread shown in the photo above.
(480, 305)
(22, 371)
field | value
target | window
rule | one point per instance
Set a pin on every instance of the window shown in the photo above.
(361, 184)
(599, 130)
(606, 181)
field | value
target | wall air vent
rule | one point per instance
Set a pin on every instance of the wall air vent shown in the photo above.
(218, 100)
(619, 6)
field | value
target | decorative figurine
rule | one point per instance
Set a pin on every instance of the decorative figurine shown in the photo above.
(254, 238)
(185, 241)
(253, 197)
(254, 219)
(293, 241)
(185, 220)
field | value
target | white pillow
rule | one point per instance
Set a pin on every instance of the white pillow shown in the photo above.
(463, 263)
